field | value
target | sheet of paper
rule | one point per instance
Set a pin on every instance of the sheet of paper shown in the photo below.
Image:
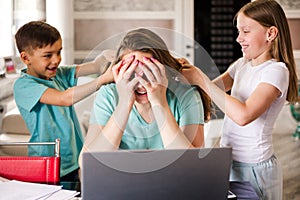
(3, 179)
(62, 195)
(12, 190)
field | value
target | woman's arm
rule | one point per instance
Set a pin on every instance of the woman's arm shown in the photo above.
(195, 134)
(172, 135)
(109, 137)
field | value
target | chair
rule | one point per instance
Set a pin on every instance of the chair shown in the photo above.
(36, 169)
(13, 129)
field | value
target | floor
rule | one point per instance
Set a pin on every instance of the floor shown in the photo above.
(288, 153)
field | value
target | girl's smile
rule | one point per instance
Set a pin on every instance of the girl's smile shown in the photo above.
(253, 39)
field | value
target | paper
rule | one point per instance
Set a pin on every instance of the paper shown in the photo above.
(62, 195)
(13, 190)
(3, 179)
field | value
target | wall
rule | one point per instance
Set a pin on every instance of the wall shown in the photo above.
(292, 11)
(97, 21)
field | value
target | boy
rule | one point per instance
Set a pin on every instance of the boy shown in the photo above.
(45, 93)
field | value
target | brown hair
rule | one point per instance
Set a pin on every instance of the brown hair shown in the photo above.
(147, 41)
(36, 34)
(269, 13)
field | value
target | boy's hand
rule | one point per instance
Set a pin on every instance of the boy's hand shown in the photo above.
(109, 54)
(108, 77)
(103, 60)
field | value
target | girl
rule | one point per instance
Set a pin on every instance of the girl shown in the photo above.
(260, 83)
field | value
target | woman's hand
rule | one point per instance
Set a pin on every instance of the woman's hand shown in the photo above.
(157, 82)
(123, 73)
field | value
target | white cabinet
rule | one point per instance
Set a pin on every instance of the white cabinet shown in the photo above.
(100, 24)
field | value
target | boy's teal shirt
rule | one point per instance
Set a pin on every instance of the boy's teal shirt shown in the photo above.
(48, 122)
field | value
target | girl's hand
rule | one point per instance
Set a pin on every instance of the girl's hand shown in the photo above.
(192, 74)
(123, 73)
(183, 61)
(156, 83)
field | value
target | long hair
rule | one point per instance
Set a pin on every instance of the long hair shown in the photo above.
(269, 13)
(147, 41)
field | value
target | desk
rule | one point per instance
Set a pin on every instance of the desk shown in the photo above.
(72, 186)
(243, 190)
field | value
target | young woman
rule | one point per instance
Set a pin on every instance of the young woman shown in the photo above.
(146, 107)
(260, 83)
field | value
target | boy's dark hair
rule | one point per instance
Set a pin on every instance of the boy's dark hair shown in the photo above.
(36, 34)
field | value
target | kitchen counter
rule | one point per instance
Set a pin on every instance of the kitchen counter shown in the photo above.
(6, 85)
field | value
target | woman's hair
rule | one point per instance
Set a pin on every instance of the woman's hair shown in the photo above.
(269, 13)
(36, 34)
(144, 40)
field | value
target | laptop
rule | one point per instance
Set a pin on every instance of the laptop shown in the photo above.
(156, 174)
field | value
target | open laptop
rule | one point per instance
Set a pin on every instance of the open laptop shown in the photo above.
(157, 174)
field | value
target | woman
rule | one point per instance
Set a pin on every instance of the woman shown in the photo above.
(146, 107)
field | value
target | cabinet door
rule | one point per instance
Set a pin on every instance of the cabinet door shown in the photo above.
(216, 33)
(100, 24)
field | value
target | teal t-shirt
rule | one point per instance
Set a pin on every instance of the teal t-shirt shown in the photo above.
(183, 100)
(48, 122)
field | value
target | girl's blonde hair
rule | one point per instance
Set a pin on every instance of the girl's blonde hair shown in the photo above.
(269, 13)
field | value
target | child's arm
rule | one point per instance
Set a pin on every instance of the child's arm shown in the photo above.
(77, 93)
(97, 66)
(241, 112)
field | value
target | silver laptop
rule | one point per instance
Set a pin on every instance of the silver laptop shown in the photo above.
(157, 174)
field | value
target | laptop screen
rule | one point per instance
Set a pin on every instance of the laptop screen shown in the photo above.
(157, 174)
